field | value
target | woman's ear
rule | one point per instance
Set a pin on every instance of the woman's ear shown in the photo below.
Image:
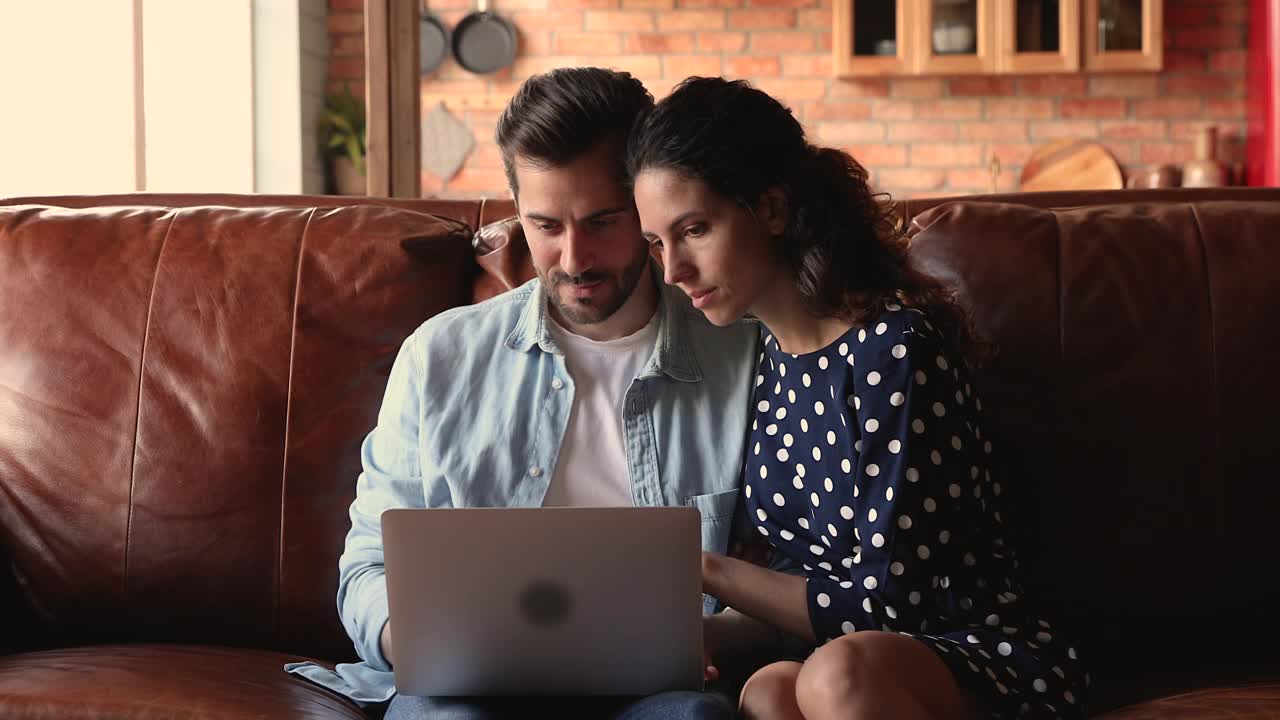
(773, 210)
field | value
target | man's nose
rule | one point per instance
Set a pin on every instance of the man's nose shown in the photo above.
(575, 255)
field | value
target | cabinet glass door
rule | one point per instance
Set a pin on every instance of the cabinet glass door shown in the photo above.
(954, 36)
(870, 37)
(1039, 35)
(1123, 34)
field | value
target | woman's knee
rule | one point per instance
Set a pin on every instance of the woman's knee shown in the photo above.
(771, 692)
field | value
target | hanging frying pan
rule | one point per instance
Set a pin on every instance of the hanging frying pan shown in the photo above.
(433, 42)
(484, 42)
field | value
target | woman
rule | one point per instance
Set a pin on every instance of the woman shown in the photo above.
(867, 467)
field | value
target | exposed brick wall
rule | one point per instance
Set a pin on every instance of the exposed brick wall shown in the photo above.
(918, 135)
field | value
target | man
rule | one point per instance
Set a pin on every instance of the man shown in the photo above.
(594, 384)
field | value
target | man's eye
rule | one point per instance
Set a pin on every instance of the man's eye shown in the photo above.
(603, 222)
(545, 227)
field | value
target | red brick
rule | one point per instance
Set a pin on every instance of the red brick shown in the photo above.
(660, 43)
(1203, 84)
(1054, 129)
(507, 5)
(582, 4)
(1125, 152)
(691, 20)
(346, 5)
(909, 178)
(1225, 108)
(1012, 153)
(819, 111)
(837, 133)
(1165, 152)
(922, 131)
(1125, 86)
(824, 42)
(946, 154)
(1229, 60)
(792, 91)
(947, 109)
(1208, 38)
(762, 19)
(894, 109)
(917, 87)
(1053, 85)
(1166, 108)
(642, 66)
(635, 20)
(709, 4)
(648, 4)
(792, 4)
(347, 45)
(589, 43)
(878, 155)
(806, 66)
(678, 67)
(814, 19)
(335, 87)
(1189, 61)
(746, 66)
(1190, 16)
(975, 180)
(558, 20)
(349, 67)
(1135, 130)
(782, 42)
(1038, 109)
(860, 88)
(981, 85)
(993, 130)
(1235, 15)
(1189, 130)
(1094, 108)
(346, 22)
(479, 180)
(728, 42)
(485, 154)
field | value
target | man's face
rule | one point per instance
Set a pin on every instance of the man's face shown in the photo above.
(583, 234)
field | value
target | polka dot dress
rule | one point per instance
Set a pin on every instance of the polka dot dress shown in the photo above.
(868, 467)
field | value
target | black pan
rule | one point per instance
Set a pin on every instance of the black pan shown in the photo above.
(484, 42)
(433, 42)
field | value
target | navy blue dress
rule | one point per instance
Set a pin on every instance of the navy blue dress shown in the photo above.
(867, 466)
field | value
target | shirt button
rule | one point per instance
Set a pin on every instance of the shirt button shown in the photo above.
(535, 471)
(557, 383)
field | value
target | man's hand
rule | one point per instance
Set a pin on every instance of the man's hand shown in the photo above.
(385, 642)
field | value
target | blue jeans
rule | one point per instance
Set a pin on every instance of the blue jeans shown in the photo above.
(685, 705)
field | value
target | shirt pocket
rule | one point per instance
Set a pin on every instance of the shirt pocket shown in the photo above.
(717, 510)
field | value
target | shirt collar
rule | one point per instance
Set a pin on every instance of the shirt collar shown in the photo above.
(672, 356)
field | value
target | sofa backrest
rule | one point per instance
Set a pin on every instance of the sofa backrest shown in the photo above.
(183, 394)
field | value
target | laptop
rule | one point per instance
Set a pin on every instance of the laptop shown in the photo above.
(544, 601)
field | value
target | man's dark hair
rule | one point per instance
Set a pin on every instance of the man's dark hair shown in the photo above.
(558, 115)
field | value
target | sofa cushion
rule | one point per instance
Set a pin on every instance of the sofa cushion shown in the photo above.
(160, 682)
(1226, 703)
(183, 393)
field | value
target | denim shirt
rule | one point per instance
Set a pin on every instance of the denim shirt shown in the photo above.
(474, 415)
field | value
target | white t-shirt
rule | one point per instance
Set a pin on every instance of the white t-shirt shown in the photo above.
(591, 470)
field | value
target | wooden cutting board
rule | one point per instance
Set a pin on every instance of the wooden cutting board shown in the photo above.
(1071, 165)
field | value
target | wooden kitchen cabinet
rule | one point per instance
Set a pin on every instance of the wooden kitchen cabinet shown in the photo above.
(975, 37)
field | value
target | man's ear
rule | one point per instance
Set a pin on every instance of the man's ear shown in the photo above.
(774, 210)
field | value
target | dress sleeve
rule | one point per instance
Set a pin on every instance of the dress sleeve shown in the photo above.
(909, 473)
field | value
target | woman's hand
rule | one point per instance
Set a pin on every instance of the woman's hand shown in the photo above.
(775, 598)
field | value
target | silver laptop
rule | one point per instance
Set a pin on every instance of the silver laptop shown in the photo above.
(545, 601)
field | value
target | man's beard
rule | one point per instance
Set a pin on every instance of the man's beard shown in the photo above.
(595, 310)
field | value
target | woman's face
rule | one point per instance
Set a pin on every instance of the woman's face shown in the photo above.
(719, 253)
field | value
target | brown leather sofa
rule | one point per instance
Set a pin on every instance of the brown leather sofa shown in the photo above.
(185, 382)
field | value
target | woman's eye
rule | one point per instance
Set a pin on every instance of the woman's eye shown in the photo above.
(655, 243)
(695, 230)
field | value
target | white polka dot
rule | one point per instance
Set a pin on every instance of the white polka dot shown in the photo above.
(942, 363)
(797, 482)
(804, 379)
(850, 359)
(938, 409)
(904, 522)
(787, 439)
(813, 498)
(822, 364)
(930, 505)
(880, 328)
(973, 639)
(777, 497)
(1069, 697)
(804, 425)
(782, 413)
(764, 472)
(759, 380)
(763, 530)
(844, 464)
(888, 494)
(862, 335)
(1071, 653)
(872, 515)
(869, 582)
(1004, 649)
(771, 429)
(913, 597)
(747, 490)
(923, 552)
(843, 349)
(935, 457)
(847, 627)
(783, 454)
(782, 369)
(888, 610)
(857, 444)
(970, 560)
(846, 512)
(955, 442)
(993, 620)
(832, 529)
(817, 453)
(816, 549)
(899, 351)
(877, 540)
(871, 425)
(818, 407)
(873, 378)
(757, 448)
(921, 378)
(873, 470)
(986, 447)
(763, 406)
(826, 483)
(824, 600)
(831, 437)
(913, 475)
(848, 562)
(787, 535)
(917, 425)
(761, 514)
(800, 469)
(959, 398)
(857, 402)
(1044, 637)
(777, 386)
(791, 396)
(1039, 684)
(897, 399)
(896, 568)
(953, 490)
(895, 446)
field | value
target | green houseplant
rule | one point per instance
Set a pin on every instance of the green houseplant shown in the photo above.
(342, 141)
